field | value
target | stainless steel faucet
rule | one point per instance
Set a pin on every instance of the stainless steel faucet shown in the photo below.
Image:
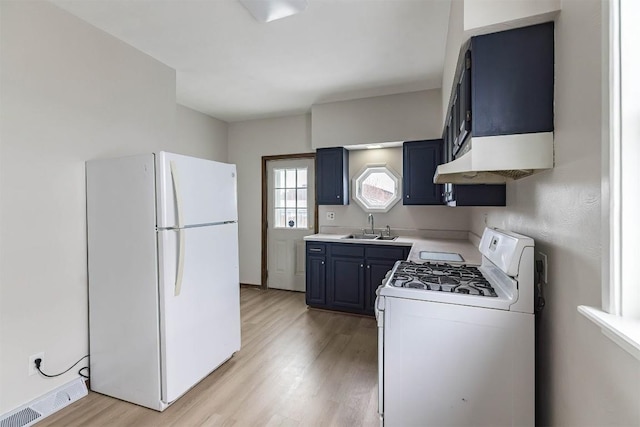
(370, 221)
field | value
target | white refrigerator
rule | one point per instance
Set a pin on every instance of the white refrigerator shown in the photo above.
(164, 296)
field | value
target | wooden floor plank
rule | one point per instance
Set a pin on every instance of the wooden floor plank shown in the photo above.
(297, 367)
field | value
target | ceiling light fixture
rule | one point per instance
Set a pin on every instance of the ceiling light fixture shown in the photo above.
(373, 146)
(270, 10)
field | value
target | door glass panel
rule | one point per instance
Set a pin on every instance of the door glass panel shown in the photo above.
(279, 198)
(291, 198)
(279, 216)
(302, 197)
(291, 178)
(291, 218)
(302, 218)
(279, 178)
(290, 194)
(302, 178)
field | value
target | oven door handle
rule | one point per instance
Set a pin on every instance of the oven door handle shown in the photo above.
(379, 309)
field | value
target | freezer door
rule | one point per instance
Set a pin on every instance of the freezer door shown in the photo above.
(199, 327)
(194, 191)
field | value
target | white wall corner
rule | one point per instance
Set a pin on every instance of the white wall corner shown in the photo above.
(487, 16)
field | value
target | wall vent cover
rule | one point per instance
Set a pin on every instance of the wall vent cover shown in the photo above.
(21, 418)
(37, 409)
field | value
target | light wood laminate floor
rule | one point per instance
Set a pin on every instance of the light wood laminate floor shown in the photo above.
(297, 367)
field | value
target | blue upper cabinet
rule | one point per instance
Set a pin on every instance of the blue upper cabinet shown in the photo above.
(512, 81)
(332, 176)
(419, 162)
(503, 86)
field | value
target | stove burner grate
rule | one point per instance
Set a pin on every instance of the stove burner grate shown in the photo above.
(463, 279)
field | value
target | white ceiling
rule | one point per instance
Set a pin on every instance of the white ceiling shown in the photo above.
(234, 68)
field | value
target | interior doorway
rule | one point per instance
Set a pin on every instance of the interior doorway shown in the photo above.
(289, 212)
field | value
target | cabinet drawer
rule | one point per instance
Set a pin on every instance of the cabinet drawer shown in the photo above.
(347, 249)
(316, 248)
(386, 252)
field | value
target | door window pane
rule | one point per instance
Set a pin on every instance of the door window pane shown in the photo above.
(291, 178)
(279, 216)
(279, 178)
(302, 198)
(290, 198)
(302, 218)
(278, 201)
(302, 178)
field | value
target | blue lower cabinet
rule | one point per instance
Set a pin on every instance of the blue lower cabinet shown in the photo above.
(345, 276)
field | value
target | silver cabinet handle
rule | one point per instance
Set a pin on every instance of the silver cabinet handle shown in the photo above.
(368, 266)
(322, 262)
(315, 250)
(361, 265)
(407, 196)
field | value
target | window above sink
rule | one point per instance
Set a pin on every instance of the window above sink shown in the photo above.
(376, 188)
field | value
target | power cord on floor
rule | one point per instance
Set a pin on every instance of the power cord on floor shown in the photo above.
(38, 362)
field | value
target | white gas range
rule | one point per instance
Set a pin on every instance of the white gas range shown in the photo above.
(456, 342)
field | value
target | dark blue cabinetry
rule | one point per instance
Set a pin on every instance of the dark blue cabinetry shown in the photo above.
(503, 86)
(332, 176)
(345, 276)
(316, 274)
(512, 81)
(419, 162)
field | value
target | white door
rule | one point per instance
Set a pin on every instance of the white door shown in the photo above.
(194, 191)
(291, 210)
(200, 327)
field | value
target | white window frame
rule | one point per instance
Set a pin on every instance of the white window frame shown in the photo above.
(619, 316)
(362, 175)
(297, 208)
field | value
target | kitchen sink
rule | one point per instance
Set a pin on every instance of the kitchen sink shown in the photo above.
(388, 238)
(370, 237)
(362, 236)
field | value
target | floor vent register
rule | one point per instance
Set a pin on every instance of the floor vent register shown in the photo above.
(46, 405)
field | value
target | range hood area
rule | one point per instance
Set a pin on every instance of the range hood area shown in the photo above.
(499, 159)
(499, 123)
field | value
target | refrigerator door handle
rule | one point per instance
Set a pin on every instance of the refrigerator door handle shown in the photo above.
(180, 269)
(179, 230)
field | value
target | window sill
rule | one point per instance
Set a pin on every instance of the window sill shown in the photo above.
(624, 332)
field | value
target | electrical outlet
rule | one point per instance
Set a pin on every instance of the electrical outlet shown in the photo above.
(32, 363)
(545, 267)
(331, 216)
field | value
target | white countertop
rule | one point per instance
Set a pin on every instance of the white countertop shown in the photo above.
(465, 248)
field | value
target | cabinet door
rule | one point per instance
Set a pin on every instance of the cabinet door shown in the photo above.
(464, 100)
(316, 280)
(346, 283)
(420, 160)
(376, 270)
(332, 176)
(513, 80)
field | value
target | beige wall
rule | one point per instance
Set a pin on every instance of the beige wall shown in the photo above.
(248, 142)
(583, 377)
(197, 132)
(400, 217)
(69, 93)
(490, 15)
(401, 117)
